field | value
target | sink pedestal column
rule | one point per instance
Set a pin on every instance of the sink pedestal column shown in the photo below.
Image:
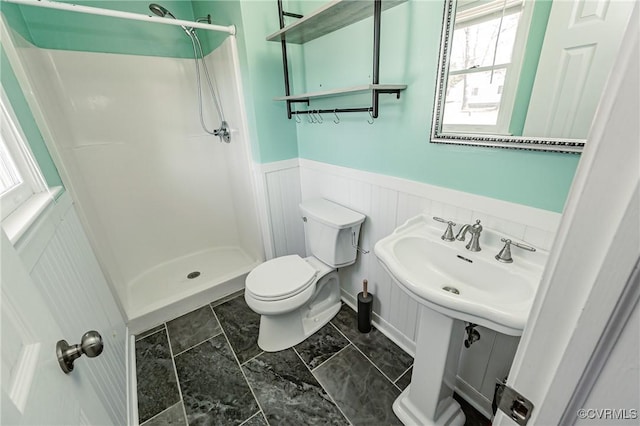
(428, 400)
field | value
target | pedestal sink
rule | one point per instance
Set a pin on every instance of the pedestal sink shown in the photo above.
(452, 285)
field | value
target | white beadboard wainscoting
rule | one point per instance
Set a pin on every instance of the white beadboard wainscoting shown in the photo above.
(388, 202)
(56, 252)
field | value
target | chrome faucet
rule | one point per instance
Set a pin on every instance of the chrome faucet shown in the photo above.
(474, 230)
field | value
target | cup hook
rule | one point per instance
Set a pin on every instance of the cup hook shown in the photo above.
(337, 120)
(372, 119)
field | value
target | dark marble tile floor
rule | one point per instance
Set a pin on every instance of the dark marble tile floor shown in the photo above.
(205, 368)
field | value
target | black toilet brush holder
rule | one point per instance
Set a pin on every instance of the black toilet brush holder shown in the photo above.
(365, 309)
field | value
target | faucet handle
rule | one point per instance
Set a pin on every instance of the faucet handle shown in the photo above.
(448, 234)
(505, 254)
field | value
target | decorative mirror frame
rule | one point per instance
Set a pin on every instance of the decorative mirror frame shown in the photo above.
(572, 146)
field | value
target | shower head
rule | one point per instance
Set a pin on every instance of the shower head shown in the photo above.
(160, 10)
(163, 12)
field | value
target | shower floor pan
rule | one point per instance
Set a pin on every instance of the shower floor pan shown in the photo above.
(176, 287)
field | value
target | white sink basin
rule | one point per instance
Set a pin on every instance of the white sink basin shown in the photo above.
(490, 293)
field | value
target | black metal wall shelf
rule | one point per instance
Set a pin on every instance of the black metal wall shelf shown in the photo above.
(331, 17)
(327, 19)
(381, 88)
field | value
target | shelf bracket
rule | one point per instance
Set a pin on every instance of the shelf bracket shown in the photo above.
(292, 15)
(389, 92)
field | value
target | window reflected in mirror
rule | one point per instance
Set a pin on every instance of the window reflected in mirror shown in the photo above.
(480, 66)
(526, 72)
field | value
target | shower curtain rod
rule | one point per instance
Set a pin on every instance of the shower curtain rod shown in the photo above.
(231, 29)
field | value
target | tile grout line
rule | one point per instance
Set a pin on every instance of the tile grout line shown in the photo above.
(252, 358)
(400, 377)
(199, 343)
(175, 371)
(340, 331)
(254, 415)
(374, 364)
(325, 391)
(330, 358)
(404, 372)
(150, 334)
(163, 411)
(233, 352)
(368, 359)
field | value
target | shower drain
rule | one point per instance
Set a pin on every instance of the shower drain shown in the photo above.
(192, 275)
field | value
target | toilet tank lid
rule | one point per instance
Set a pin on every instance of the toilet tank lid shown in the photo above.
(330, 213)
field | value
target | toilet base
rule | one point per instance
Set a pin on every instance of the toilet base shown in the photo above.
(279, 332)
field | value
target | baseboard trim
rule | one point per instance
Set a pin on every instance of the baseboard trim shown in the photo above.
(473, 397)
(132, 382)
(385, 328)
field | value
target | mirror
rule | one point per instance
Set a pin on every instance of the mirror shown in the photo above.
(524, 74)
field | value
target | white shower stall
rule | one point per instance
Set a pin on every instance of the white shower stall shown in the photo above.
(170, 210)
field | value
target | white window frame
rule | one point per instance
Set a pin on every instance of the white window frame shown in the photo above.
(514, 68)
(20, 206)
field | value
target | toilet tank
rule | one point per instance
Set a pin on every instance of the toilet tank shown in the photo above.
(331, 230)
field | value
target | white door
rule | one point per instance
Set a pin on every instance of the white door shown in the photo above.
(35, 391)
(583, 313)
(580, 46)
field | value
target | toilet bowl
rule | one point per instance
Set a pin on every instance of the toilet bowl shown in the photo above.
(296, 296)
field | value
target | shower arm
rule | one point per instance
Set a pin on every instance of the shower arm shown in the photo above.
(231, 29)
(206, 19)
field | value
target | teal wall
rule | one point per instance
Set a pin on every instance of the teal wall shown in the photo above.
(27, 122)
(57, 29)
(398, 143)
(275, 134)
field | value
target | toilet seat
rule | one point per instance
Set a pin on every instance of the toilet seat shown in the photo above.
(280, 278)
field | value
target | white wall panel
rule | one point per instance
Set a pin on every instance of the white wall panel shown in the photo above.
(223, 65)
(388, 202)
(158, 184)
(499, 363)
(283, 190)
(474, 360)
(69, 276)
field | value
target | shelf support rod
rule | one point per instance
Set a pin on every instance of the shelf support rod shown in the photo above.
(377, 13)
(285, 62)
(327, 111)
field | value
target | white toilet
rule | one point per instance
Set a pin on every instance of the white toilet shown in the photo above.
(294, 296)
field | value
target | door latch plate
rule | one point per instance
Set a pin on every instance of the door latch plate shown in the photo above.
(514, 405)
